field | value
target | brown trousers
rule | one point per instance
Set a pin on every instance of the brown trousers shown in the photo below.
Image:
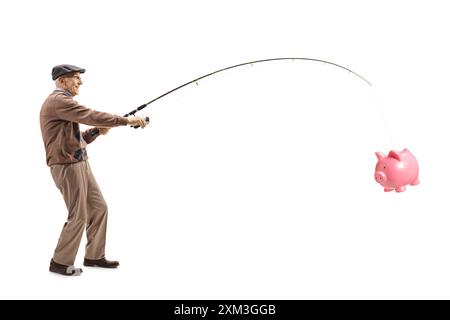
(86, 208)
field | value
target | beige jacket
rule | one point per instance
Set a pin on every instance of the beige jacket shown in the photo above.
(60, 116)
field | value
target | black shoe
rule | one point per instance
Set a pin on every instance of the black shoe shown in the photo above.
(64, 270)
(102, 263)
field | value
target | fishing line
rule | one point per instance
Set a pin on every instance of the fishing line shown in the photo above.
(372, 90)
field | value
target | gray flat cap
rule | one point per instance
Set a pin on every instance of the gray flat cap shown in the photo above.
(62, 69)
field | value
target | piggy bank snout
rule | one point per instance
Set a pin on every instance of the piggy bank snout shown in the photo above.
(380, 177)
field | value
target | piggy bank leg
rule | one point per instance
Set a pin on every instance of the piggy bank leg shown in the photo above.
(388, 189)
(415, 183)
(400, 189)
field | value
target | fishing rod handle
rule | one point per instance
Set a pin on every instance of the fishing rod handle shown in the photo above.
(132, 113)
(135, 110)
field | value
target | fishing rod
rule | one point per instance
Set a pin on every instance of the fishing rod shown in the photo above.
(236, 66)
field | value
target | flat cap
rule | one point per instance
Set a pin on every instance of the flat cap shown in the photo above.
(62, 69)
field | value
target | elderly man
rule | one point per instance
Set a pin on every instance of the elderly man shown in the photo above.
(65, 147)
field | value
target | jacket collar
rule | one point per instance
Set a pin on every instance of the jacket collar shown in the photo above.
(64, 92)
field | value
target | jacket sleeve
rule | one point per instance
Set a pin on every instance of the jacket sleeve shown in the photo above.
(90, 135)
(68, 109)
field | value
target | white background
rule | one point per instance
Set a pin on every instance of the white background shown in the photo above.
(255, 184)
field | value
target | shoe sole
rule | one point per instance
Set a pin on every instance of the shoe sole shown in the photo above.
(99, 266)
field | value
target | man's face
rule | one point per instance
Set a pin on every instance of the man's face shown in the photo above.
(73, 83)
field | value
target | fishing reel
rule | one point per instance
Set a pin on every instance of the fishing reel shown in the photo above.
(147, 120)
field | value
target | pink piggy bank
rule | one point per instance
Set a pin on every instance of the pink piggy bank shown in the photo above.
(396, 170)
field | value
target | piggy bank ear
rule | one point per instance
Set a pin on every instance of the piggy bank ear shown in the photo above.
(395, 155)
(380, 155)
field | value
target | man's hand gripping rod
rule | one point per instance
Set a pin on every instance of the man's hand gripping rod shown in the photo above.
(147, 119)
